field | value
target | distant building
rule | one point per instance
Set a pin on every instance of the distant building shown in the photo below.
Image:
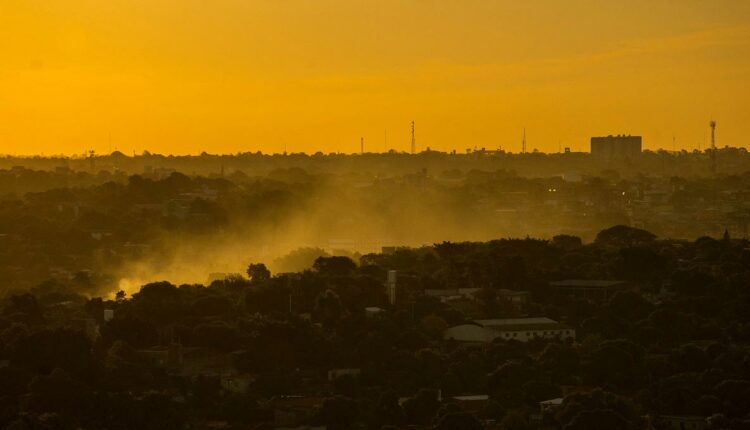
(520, 329)
(551, 405)
(688, 422)
(444, 295)
(474, 403)
(518, 299)
(616, 147)
(335, 374)
(373, 311)
(572, 176)
(591, 289)
(390, 286)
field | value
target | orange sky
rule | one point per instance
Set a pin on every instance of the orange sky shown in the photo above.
(184, 76)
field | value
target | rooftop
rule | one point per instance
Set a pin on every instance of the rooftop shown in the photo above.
(475, 397)
(521, 324)
(552, 402)
(514, 321)
(589, 283)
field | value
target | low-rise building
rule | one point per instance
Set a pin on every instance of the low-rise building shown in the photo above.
(472, 403)
(373, 311)
(590, 289)
(549, 406)
(335, 374)
(520, 329)
(518, 299)
(683, 422)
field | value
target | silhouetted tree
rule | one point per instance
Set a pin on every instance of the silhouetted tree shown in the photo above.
(258, 273)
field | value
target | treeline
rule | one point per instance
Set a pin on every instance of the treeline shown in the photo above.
(675, 345)
(730, 161)
(105, 224)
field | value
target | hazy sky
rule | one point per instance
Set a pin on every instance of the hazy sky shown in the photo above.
(184, 76)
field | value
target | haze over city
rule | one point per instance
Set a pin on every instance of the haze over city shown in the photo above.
(374, 215)
(187, 76)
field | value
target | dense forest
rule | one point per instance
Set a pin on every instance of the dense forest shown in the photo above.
(673, 344)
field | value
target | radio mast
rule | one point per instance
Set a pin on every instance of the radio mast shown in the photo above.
(413, 140)
(712, 124)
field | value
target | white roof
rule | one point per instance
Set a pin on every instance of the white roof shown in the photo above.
(515, 321)
(472, 397)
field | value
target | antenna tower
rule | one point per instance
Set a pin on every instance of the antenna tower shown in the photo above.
(712, 124)
(413, 140)
(523, 143)
(361, 145)
(91, 156)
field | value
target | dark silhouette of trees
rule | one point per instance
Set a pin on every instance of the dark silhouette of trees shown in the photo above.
(258, 273)
(458, 421)
(339, 413)
(334, 266)
(622, 236)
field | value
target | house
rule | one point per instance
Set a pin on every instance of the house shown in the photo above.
(469, 293)
(518, 299)
(683, 422)
(372, 311)
(544, 420)
(444, 295)
(520, 329)
(447, 295)
(335, 374)
(591, 289)
(549, 406)
(472, 403)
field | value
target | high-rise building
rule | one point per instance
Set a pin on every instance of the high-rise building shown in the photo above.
(616, 147)
(391, 287)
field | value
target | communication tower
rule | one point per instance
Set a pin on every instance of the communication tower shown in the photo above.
(523, 143)
(91, 158)
(413, 139)
(712, 124)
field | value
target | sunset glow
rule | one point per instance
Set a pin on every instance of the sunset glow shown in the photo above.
(185, 76)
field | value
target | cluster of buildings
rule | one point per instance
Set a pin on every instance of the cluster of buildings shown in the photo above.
(520, 329)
